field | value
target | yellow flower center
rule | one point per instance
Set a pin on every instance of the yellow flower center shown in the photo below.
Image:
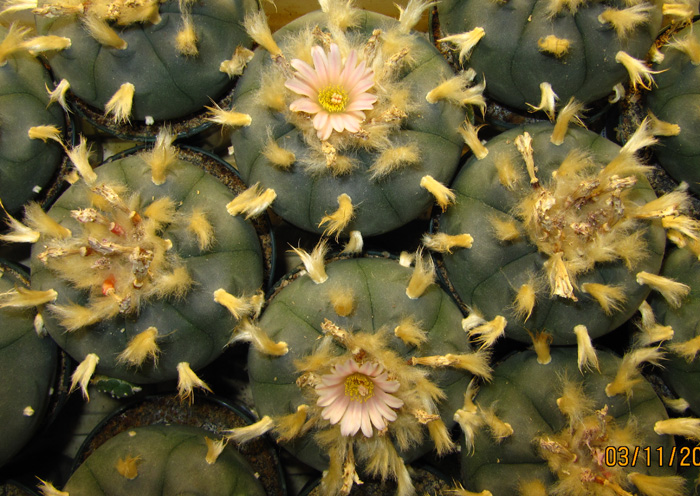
(333, 98)
(359, 387)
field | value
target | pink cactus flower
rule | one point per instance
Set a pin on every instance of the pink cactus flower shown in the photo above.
(334, 92)
(359, 397)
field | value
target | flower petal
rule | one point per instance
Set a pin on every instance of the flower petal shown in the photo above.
(366, 421)
(351, 123)
(329, 395)
(385, 411)
(335, 64)
(375, 414)
(306, 73)
(363, 102)
(320, 64)
(305, 105)
(301, 87)
(349, 67)
(388, 399)
(337, 411)
(352, 420)
(324, 128)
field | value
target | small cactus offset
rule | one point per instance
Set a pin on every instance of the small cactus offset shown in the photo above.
(356, 375)
(30, 129)
(28, 365)
(190, 50)
(674, 100)
(566, 231)
(534, 54)
(162, 459)
(134, 255)
(353, 119)
(541, 429)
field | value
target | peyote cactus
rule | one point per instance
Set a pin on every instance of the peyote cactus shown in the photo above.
(359, 140)
(557, 429)
(359, 365)
(674, 99)
(28, 365)
(566, 231)
(29, 156)
(131, 262)
(680, 320)
(190, 51)
(162, 459)
(532, 53)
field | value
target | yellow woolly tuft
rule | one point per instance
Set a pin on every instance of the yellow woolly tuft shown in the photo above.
(443, 195)
(628, 374)
(257, 27)
(250, 432)
(569, 113)
(127, 467)
(252, 202)
(409, 331)
(687, 349)
(508, 175)
(187, 381)
(339, 220)
(650, 485)
(441, 437)
(235, 65)
(80, 157)
(214, 449)
(119, 106)
(394, 159)
(423, 276)
(141, 347)
(586, 353)
(40, 221)
(640, 74)
(45, 133)
(83, 373)
(553, 45)
(279, 157)
(200, 226)
(469, 134)
(444, 243)
(505, 230)
(548, 100)
(488, 333)
(610, 298)
(314, 262)
(186, 38)
(625, 21)
(687, 427)
(540, 343)
(161, 156)
(13, 41)
(465, 42)
(343, 300)
(228, 118)
(672, 291)
(525, 300)
(20, 297)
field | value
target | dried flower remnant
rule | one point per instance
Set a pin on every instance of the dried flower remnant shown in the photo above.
(358, 397)
(335, 93)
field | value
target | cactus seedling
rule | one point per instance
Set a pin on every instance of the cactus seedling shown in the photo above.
(349, 113)
(369, 375)
(162, 459)
(573, 232)
(134, 255)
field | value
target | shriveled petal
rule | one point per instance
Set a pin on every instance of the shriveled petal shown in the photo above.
(337, 411)
(352, 420)
(366, 421)
(301, 87)
(320, 64)
(305, 105)
(335, 64)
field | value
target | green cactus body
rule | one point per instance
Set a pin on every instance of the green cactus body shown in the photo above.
(26, 165)
(674, 100)
(163, 459)
(29, 364)
(565, 44)
(535, 258)
(378, 168)
(361, 313)
(177, 83)
(681, 369)
(136, 275)
(565, 434)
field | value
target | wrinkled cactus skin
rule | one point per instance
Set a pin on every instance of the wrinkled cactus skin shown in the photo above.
(174, 85)
(509, 59)
(194, 329)
(171, 461)
(295, 314)
(25, 163)
(674, 99)
(524, 393)
(383, 204)
(29, 365)
(487, 276)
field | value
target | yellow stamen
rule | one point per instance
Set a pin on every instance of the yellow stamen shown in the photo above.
(359, 387)
(333, 98)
